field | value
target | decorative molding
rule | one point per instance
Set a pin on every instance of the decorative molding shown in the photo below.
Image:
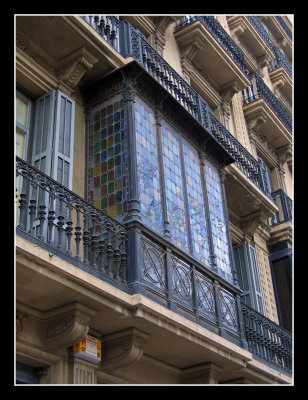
(67, 325)
(122, 348)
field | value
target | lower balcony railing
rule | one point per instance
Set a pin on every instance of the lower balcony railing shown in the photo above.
(134, 259)
(266, 340)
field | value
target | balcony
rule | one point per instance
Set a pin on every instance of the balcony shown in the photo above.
(280, 72)
(62, 50)
(260, 104)
(218, 55)
(281, 223)
(281, 33)
(254, 35)
(89, 243)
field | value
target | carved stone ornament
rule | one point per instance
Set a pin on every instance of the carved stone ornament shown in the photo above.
(73, 67)
(122, 348)
(20, 318)
(67, 325)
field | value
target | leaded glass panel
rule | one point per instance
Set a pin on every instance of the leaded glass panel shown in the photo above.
(217, 220)
(197, 217)
(174, 187)
(148, 168)
(108, 158)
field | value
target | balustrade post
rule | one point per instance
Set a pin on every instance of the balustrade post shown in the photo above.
(42, 207)
(32, 208)
(77, 231)
(51, 215)
(101, 248)
(23, 201)
(69, 226)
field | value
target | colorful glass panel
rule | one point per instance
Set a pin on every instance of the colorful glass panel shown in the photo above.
(148, 168)
(197, 216)
(174, 187)
(218, 224)
(108, 154)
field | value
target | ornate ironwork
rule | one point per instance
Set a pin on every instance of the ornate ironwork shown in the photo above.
(53, 214)
(205, 296)
(228, 310)
(182, 281)
(154, 268)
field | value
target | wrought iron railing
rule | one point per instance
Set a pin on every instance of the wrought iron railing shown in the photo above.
(259, 90)
(266, 340)
(68, 225)
(284, 203)
(133, 44)
(280, 61)
(222, 37)
(261, 29)
(284, 25)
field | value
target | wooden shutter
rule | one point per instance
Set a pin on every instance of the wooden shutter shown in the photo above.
(265, 177)
(248, 275)
(54, 135)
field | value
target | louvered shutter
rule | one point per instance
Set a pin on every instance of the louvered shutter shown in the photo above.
(53, 140)
(53, 136)
(248, 276)
(265, 177)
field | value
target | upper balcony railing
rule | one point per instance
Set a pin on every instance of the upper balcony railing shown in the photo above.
(259, 90)
(261, 30)
(284, 25)
(220, 35)
(280, 61)
(284, 203)
(133, 44)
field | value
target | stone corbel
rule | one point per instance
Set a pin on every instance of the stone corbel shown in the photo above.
(228, 91)
(66, 325)
(122, 348)
(250, 223)
(263, 60)
(73, 67)
(188, 53)
(20, 321)
(255, 122)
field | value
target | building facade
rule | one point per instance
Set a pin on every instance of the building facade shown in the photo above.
(153, 199)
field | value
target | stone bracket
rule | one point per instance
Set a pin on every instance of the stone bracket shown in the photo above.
(66, 325)
(73, 67)
(123, 348)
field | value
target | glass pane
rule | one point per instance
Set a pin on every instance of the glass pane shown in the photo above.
(197, 217)
(174, 187)
(20, 142)
(148, 169)
(217, 218)
(21, 111)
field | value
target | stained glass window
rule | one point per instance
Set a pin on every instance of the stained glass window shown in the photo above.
(174, 187)
(108, 154)
(196, 209)
(218, 223)
(148, 168)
